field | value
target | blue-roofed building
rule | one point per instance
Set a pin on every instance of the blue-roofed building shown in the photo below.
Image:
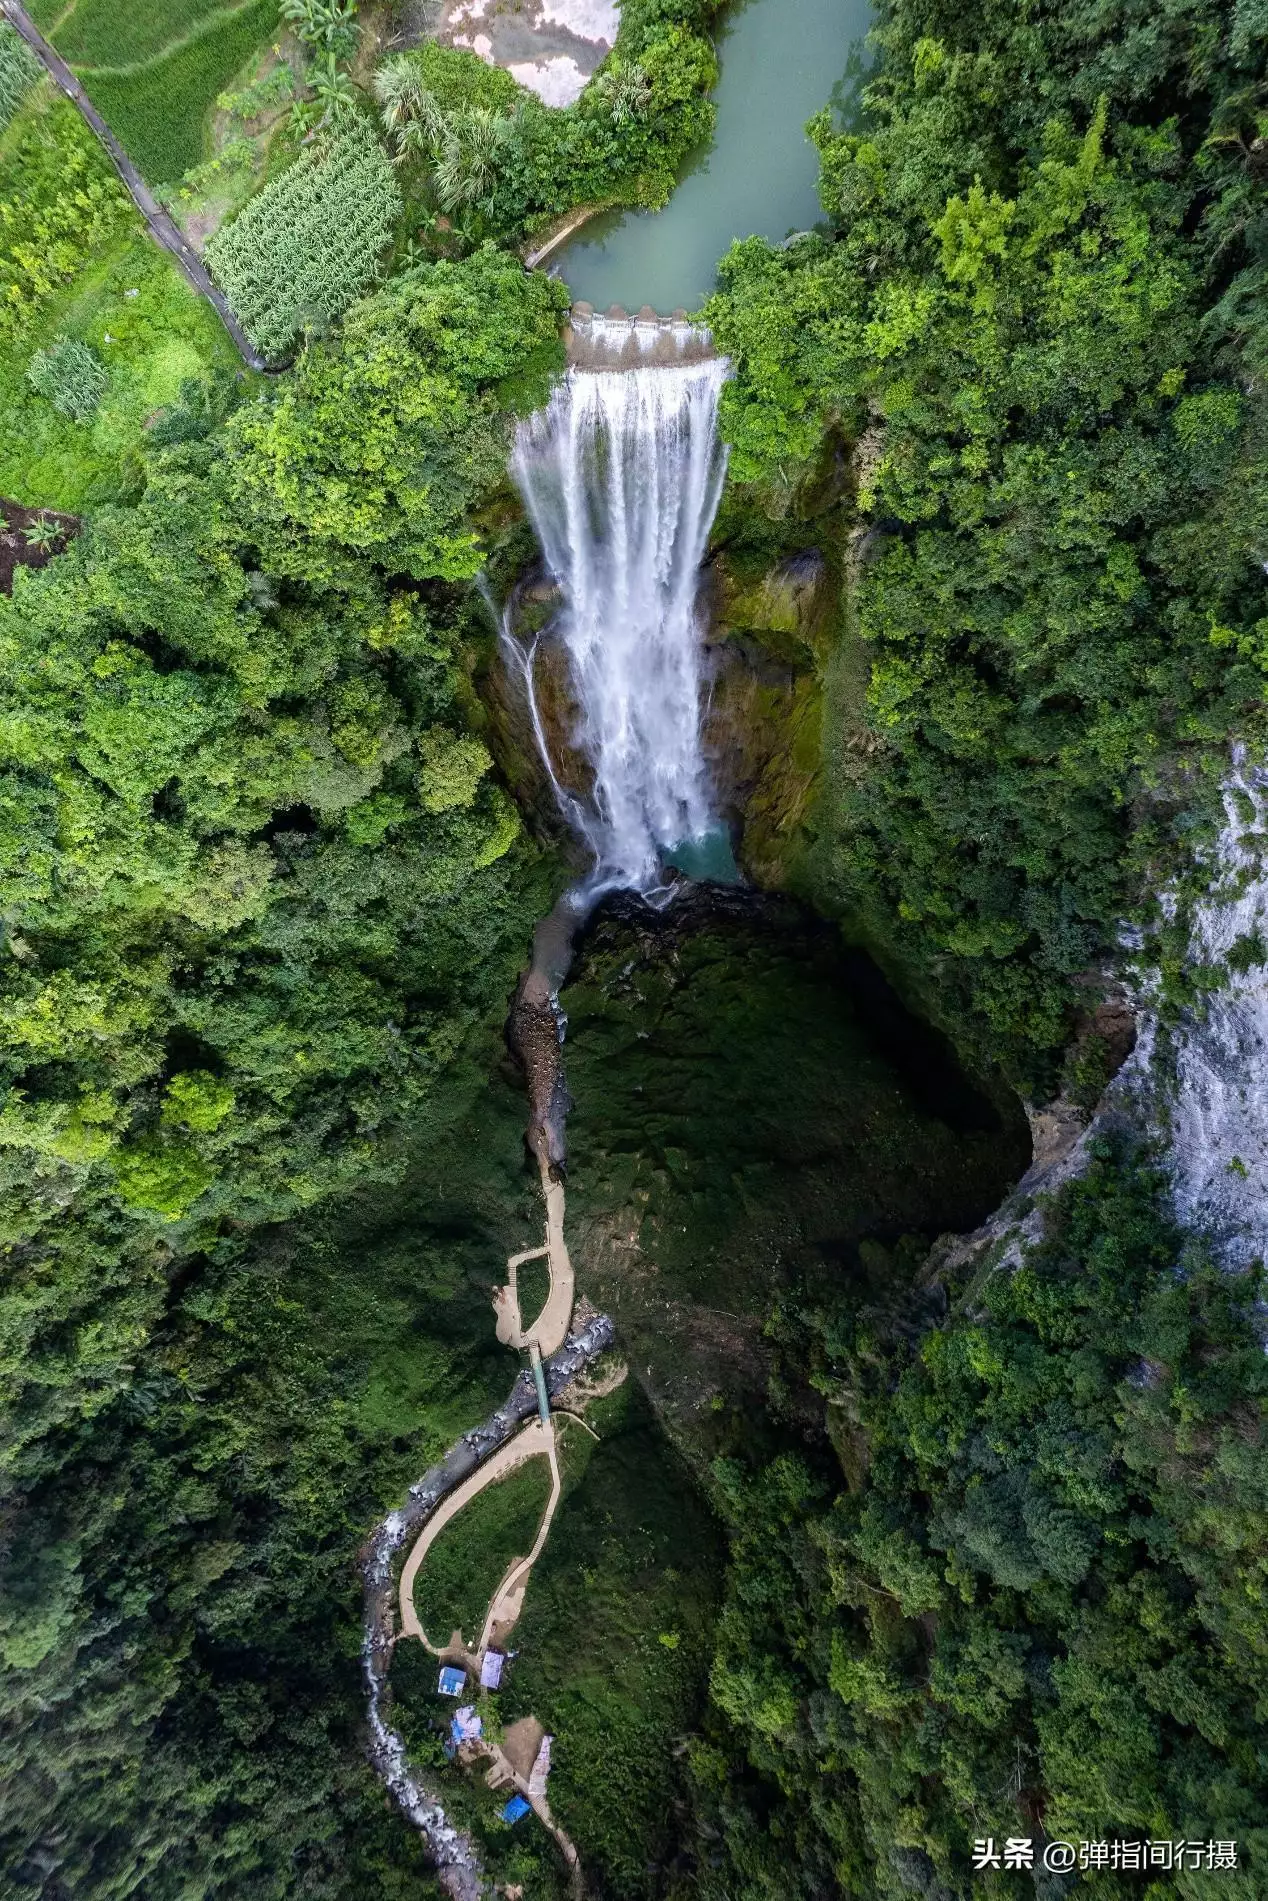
(515, 1808)
(452, 1682)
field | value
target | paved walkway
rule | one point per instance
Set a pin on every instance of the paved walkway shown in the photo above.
(550, 1329)
(163, 228)
(543, 1339)
(535, 1441)
(454, 1854)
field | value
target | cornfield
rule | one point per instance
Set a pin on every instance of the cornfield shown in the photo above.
(310, 243)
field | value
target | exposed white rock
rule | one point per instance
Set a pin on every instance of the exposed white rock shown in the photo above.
(1205, 1081)
(556, 81)
(550, 46)
(588, 19)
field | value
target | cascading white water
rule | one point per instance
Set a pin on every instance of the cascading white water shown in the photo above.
(621, 475)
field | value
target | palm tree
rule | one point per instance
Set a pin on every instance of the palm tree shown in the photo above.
(412, 116)
(627, 92)
(477, 141)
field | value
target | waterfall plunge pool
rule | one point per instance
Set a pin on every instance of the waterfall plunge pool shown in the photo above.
(781, 62)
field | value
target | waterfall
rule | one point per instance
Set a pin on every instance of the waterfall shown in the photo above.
(621, 475)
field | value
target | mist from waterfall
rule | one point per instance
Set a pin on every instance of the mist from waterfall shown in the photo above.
(621, 475)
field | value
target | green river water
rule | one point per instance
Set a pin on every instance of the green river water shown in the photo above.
(781, 60)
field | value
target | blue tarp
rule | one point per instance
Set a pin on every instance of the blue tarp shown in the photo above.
(452, 1682)
(516, 1807)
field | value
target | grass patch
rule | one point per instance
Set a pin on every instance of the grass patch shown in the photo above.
(101, 33)
(465, 1565)
(533, 1281)
(159, 112)
(148, 342)
(159, 337)
(19, 71)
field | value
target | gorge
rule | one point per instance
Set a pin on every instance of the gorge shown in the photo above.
(823, 1102)
(836, 688)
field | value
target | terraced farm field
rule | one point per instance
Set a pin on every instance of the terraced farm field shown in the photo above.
(154, 71)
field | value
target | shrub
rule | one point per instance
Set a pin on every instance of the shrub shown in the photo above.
(70, 375)
(324, 26)
(310, 243)
(19, 70)
(59, 204)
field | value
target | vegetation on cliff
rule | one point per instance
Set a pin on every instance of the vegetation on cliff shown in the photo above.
(1035, 316)
(1025, 1601)
(1012, 1593)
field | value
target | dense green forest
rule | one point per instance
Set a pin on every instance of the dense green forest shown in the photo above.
(994, 1532)
(1022, 1598)
(1037, 311)
(260, 893)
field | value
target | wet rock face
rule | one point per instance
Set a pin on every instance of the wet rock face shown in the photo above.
(787, 607)
(503, 689)
(762, 720)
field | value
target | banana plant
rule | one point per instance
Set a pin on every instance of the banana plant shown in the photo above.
(42, 533)
(328, 26)
(335, 94)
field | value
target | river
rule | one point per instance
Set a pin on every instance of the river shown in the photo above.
(758, 177)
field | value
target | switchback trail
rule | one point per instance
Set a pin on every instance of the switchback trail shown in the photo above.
(162, 227)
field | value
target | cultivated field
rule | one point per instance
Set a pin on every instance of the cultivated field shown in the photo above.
(75, 263)
(155, 70)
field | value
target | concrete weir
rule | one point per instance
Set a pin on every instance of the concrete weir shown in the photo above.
(613, 340)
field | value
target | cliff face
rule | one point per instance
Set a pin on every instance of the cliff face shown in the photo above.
(768, 631)
(769, 626)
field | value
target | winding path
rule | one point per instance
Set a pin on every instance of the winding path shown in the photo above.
(162, 227)
(451, 1849)
(534, 1442)
(547, 1333)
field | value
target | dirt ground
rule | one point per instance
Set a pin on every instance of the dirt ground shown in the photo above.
(16, 551)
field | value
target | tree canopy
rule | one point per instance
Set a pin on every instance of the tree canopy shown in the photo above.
(1030, 318)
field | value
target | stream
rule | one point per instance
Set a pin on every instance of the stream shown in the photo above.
(758, 1110)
